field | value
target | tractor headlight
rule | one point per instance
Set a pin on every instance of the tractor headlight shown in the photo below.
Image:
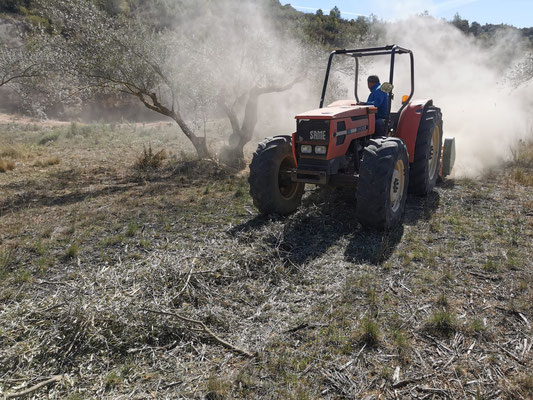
(306, 149)
(321, 149)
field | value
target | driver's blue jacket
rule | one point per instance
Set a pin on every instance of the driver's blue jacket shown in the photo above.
(378, 99)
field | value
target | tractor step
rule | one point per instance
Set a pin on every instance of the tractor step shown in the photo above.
(309, 176)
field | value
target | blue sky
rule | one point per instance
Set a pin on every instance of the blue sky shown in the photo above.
(514, 12)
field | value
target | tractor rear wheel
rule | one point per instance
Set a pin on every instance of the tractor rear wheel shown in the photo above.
(426, 165)
(382, 186)
(271, 187)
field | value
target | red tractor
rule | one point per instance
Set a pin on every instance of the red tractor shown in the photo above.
(338, 145)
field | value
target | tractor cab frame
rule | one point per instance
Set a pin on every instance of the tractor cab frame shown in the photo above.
(392, 51)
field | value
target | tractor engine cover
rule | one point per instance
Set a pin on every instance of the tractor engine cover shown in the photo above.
(323, 136)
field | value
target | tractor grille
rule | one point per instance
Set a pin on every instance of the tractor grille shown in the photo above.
(312, 130)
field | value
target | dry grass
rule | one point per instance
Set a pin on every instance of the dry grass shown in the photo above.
(523, 154)
(11, 151)
(328, 310)
(46, 162)
(522, 164)
(150, 160)
(8, 165)
(522, 176)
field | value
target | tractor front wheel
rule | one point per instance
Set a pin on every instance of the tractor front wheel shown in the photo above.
(382, 186)
(271, 187)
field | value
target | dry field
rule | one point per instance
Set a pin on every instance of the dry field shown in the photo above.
(124, 279)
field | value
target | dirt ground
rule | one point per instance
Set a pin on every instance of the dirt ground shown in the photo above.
(123, 283)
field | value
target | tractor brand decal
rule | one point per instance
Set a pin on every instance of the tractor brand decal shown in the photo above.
(313, 130)
(342, 133)
(350, 131)
(317, 135)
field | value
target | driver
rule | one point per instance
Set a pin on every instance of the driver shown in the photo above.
(378, 99)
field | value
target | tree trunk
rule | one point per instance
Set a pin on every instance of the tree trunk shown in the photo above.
(200, 145)
(199, 142)
(232, 153)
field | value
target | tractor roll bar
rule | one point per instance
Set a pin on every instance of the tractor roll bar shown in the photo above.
(391, 50)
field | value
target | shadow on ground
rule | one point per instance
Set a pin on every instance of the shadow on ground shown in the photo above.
(421, 207)
(100, 182)
(328, 215)
(33, 199)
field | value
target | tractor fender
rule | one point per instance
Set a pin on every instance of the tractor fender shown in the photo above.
(408, 124)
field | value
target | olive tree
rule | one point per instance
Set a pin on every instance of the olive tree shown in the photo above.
(523, 71)
(246, 58)
(106, 53)
(24, 61)
(15, 65)
(220, 59)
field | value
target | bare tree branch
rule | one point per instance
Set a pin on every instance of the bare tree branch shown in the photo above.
(204, 329)
(34, 388)
(234, 121)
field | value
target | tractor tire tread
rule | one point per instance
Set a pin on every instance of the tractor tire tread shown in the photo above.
(263, 177)
(420, 183)
(373, 193)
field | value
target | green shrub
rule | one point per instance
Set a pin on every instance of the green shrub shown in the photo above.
(49, 137)
(150, 160)
(72, 251)
(370, 333)
(442, 322)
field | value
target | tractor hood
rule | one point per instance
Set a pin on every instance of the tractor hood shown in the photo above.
(338, 109)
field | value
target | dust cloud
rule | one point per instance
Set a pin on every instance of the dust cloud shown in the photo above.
(236, 47)
(466, 77)
(224, 49)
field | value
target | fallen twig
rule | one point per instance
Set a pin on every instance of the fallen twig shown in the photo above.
(33, 388)
(410, 380)
(171, 384)
(480, 275)
(396, 375)
(150, 348)
(204, 329)
(516, 313)
(433, 390)
(305, 325)
(524, 319)
(510, 354)
(185, 284)
(42, 281)
(448, 362)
